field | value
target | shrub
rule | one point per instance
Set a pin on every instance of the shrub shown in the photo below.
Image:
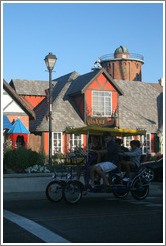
(22, 158)
(7, 146)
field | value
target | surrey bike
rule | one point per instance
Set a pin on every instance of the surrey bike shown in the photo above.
(71, 190)
(67, 187)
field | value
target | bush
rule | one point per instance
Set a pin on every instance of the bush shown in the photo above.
(22, 158)
(7, 146)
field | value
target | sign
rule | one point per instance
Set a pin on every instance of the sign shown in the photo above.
(101, 121)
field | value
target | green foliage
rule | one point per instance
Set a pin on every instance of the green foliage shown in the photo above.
(57, 156)
(7, 146)
(22, 158)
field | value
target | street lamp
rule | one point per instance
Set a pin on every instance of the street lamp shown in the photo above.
(50, 60)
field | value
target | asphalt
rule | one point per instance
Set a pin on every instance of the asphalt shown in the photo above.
(139, 221)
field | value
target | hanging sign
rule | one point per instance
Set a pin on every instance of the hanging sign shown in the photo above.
(101, 121)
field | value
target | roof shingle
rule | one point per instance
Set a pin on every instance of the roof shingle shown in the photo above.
(30, 87)
(138, 108)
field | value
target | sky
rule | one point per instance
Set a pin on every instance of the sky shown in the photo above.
(78, 33)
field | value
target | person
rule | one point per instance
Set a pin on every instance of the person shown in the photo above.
(135, 155)
(122, 149)
(112, 156)
(93, 146)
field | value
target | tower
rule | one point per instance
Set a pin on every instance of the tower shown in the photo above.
(123, 65)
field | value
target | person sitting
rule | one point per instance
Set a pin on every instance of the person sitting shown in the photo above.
(135, 155)
(93, 147)
(92, 157)
(122, 149)
(112, 157)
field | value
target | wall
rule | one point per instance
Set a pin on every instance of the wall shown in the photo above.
(124, 69)
(35, 142)
(45, 142)
(10, 106)
(101, 84)
(80, 104)
(32, 101)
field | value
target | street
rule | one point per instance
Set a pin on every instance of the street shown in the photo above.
(97, 218)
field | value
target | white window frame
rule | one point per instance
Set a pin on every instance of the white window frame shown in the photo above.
(72, 139)
(127, 141)
(143, 141)
(104, 109)
(54, 148)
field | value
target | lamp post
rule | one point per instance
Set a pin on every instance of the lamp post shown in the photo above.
(50, 60)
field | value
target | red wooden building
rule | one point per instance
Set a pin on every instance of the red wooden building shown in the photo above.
(14, 108)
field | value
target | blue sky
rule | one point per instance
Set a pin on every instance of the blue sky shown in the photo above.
(78, 34)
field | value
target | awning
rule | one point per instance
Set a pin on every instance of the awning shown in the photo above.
(6, 123)
(100, 131)
(18, 128)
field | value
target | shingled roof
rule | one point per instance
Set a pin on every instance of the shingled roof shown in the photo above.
(139, 106)
(30, 87)
(65, 112)
(157, 87)
(80, 84)
(18, 100)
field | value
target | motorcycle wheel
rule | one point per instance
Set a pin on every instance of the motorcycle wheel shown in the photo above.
(54, 190)
(72, 192)
(139, 189)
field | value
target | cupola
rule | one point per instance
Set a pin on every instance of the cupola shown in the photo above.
(123, 65)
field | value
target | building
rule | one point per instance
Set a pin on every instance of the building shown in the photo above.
(123, 65)
(13, 108)
(112, 95)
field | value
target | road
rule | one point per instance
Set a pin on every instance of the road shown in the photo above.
(97, 218)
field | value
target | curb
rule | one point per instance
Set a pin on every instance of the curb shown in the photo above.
(32, 187)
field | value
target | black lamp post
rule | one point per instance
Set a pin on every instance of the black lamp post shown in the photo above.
(50, 60)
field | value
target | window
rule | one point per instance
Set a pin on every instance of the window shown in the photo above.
(57, 142)
(127, 141)
(76, 141)
(137, 77)
(101, 103)
(146, 143)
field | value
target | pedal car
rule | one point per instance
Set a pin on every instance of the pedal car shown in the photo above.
(68, 188)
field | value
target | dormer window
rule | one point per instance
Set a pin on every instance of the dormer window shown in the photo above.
(137, 77)
(101, 103)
